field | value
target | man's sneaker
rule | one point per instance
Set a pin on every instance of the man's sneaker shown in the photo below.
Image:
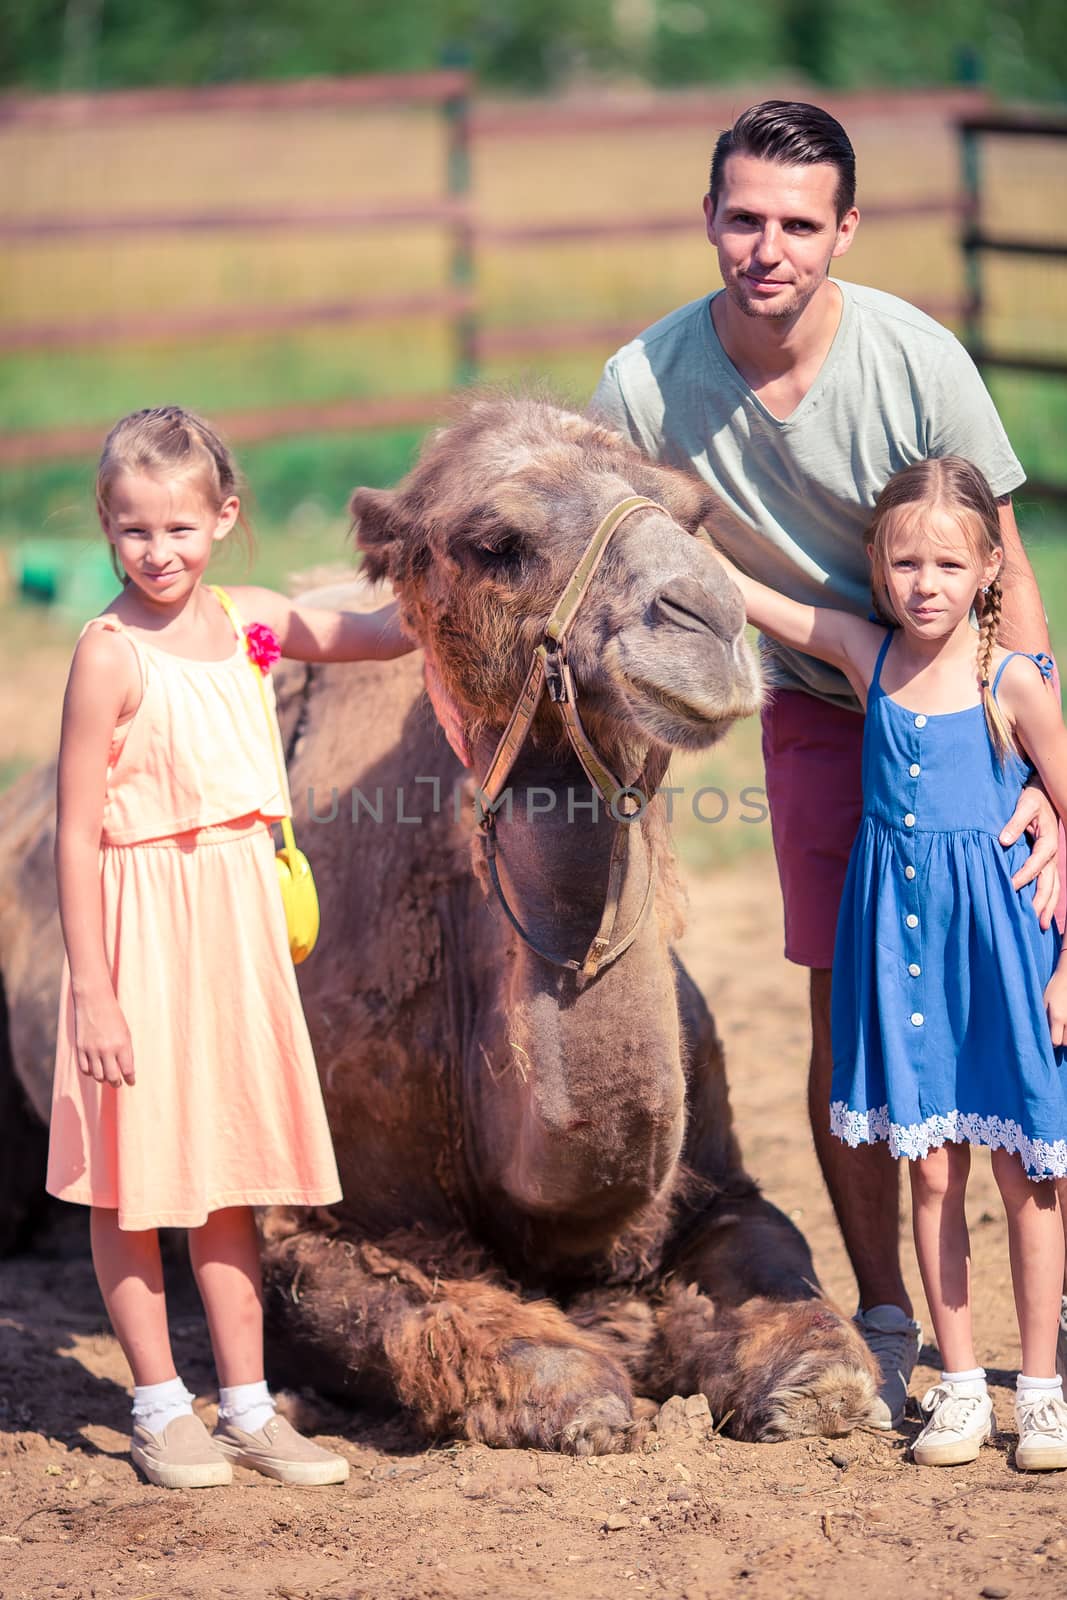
(181, 1456)
(893, 1339)
(278, 1451)
(1042, 1420)
(959, 1426)
(1061, 1340)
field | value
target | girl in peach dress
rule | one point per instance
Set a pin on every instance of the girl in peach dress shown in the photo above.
(185, 1088)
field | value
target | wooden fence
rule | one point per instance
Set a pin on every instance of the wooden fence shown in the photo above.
(450, 210)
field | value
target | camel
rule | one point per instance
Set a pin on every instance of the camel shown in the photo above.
(546, 1219)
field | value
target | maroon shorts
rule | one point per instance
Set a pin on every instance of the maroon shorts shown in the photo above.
(812, 755)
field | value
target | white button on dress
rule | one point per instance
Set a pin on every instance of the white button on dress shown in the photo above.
(917, 1019)
(911, 920)
(914, 770)
(915, 969)
(920, 720)
(909, 820)
(909, 872)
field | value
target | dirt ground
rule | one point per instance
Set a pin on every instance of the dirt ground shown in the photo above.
(698, 1517)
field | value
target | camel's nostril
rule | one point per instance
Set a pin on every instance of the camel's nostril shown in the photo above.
(688, 604)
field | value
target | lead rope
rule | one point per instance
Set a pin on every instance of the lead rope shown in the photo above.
(601, 953)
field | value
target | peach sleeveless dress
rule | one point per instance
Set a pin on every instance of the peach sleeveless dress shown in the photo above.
(226, 1109)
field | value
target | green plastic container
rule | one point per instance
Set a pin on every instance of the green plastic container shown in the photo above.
(74, 577)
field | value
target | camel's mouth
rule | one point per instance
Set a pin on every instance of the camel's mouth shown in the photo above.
(675, 719)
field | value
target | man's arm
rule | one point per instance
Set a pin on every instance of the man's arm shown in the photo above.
(1023, 625)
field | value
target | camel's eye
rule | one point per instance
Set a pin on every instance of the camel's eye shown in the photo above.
(503, 551)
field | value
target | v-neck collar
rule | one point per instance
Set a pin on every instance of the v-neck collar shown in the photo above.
(718, 356)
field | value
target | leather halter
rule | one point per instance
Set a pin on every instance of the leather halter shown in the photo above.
(551, 670)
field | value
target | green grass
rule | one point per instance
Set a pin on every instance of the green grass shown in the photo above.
(93, 387)
(1033, 408)
(1046, 539)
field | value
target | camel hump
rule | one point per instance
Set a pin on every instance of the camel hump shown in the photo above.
(341, 589)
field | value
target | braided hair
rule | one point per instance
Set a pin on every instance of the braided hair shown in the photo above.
(990, 603)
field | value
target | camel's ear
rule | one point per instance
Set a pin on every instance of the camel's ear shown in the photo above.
(378, 529)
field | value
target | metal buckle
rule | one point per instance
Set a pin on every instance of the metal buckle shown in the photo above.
(594, 956)
(554, 680)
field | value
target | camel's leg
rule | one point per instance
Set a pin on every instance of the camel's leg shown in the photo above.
(465, 1355)
(23, 1154)
(742, 1320)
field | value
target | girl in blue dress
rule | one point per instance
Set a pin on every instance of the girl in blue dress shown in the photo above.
(949, 998)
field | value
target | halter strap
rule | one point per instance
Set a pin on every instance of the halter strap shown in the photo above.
(601, 951)
(550, 669)
(575, 592)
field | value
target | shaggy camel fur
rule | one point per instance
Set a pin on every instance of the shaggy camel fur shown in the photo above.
(545, 1209)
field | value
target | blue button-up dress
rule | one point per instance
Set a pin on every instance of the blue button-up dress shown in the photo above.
(940, 965)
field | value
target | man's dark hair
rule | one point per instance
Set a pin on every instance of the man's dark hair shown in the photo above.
(794, 134)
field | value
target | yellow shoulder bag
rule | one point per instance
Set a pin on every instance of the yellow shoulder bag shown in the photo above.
(299, 896)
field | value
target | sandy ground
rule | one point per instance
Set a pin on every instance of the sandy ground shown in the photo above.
(697, 1517)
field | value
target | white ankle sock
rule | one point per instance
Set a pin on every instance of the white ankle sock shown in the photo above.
(966, 1383)
(156, 1404)
(249, 1405)
(1032, 1387)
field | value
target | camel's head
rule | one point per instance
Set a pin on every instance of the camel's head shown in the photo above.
(483, 536)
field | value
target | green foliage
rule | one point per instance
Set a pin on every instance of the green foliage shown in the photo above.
(1019, 46)
(1034, 412)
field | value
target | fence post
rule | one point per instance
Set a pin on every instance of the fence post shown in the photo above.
(462, 274)
(971, 174)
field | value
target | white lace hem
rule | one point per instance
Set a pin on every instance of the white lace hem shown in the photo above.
(1041, 1158)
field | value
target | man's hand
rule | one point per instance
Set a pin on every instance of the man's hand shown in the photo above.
(1035, 815)
(1056, 1003)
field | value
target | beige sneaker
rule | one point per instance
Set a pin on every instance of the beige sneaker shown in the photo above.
(958, 1427)
(1042, 1422)
(182, 1456)
(278, 1451)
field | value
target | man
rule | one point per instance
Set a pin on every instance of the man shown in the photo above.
(796, 397)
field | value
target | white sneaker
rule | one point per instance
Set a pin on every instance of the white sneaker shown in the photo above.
(1042, 1420)
(893, 1339)
(959, 1426)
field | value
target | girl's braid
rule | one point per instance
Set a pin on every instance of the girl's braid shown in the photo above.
(988, 627)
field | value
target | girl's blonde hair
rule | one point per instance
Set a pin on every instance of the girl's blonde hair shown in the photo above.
(951, 484)
(168, 441)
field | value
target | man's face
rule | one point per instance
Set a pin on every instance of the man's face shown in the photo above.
(776, 231)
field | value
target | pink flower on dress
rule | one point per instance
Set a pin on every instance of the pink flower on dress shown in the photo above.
(262, 645)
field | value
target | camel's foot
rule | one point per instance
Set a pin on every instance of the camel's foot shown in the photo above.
(572, 1400)
(487, 1367)
(600, 1427)
(816, 1399)
(771, 1369)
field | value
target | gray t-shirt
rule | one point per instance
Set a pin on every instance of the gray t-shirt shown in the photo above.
(895, 387)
